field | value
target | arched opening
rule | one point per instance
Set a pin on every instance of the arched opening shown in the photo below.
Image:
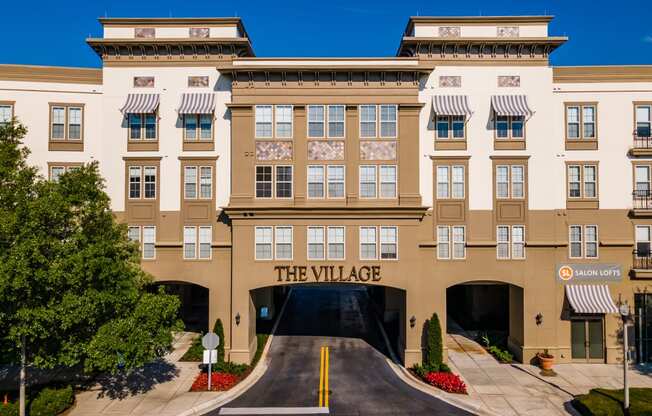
(487, 312)
(194, 303)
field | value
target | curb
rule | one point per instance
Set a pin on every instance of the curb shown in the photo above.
(245, 384)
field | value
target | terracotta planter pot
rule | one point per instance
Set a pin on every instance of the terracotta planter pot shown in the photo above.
(546, 362)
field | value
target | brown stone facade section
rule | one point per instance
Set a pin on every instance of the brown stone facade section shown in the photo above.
(198, 211)
(511, 210)
(142, 210)
(450, 210)
(326, 149)
(378, 150)
(268, 150)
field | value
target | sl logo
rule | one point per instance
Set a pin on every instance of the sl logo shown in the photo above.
(566, 273)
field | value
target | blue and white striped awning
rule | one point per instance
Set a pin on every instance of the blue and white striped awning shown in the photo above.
(140, 103)
(590, 299)
(197, 103)
(511, 105)
(451, 105)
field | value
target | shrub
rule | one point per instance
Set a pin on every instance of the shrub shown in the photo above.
(449, 382)
(503, 356)
(444, 368)
(10, 409)
(419, 371)
(195, 353)
(219, 330)
(51, 402)
(434, 348)
(228, 367)
(219, 382)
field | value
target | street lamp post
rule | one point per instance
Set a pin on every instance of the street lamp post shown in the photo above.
(624, 313)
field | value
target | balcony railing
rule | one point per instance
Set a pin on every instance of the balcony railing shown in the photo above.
(643, 262)
(642, 199)
(642, 139)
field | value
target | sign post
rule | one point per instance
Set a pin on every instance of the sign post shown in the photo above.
(624, 312)
(210, 341)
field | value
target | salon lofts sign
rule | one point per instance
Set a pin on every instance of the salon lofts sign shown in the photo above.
(327, 274)
(588, 272)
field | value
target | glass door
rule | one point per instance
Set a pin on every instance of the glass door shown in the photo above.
(587, 339)
(643, 326)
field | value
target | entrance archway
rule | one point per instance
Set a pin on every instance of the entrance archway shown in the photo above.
(194, 303)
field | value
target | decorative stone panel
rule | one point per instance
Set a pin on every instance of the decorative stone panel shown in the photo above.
(326, 150)
(509, 81)
(144, 32)
(378, 150)
(143, 82)
(450, 81)
(507, 31)
(449, 31)
(197, 81)
(198, 32)
(268, 150)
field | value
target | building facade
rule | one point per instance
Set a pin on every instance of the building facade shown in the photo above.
(463, 176)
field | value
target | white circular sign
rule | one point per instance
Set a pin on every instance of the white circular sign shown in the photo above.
(210, 341)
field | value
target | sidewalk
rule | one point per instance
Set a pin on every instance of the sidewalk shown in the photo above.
(520, 390)
(160, 389)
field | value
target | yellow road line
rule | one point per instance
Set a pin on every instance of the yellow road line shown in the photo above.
(321, 378)
(326, 381)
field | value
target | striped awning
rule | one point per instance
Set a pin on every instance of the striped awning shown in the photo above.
(511, 105)
(140, 103)
(451, 105)
(197, 103)
(590, 299)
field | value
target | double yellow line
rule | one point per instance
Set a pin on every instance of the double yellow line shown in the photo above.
(323, 378)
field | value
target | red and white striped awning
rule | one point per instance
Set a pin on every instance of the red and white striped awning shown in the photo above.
(140, 103)
(197, 103)
(511, 105)
(451, 105)
(590, 299)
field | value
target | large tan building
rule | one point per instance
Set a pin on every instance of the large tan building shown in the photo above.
(464, 176)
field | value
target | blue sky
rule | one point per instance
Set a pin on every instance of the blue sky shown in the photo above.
(600, 31)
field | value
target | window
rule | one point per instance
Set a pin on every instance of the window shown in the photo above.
(450, 124)
(367, 181)
(6, 113)
(368, 243)
(367, 121)
(642, 174)
(315, 121)
(198, 127)
(387, 181)
(444, 243)
(575, 241)
(263, 181)
(189, 243)
(510, 178)
(510, 127)
(142, 126)
(150, 182)
(283, 241)
(65, 121)
(443, 182)
(591, 238)
(56, 172)
(580, 121)
(284, 121)
(205, 239)
(149, 242)
(335, 121)
(388, 120)
(316, 243)
(583, 241)
(642, 241)
(336, 243)
(134, 181)
(583, 181)
(510, 242)
(263, 243)
(191, 185)
(388, 243)
(263, 121)
(284, 181)
(336, 181)
(643, 120)
(316, 181)
(133, 233)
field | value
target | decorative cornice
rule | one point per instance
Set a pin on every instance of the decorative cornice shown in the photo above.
(592, 74)
(457, 48)
(262, 212)
(66, 75)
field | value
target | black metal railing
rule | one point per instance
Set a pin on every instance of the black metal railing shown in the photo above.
(642, 199)
(642, 139)
(642, 261)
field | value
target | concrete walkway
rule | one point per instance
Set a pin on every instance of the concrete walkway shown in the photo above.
(161, 389)
(519, 389)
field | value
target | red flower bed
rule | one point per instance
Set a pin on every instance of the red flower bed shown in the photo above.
(449, 382)
(219, 382)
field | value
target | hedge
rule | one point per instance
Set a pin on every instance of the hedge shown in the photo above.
(51, 402)
(434, 347)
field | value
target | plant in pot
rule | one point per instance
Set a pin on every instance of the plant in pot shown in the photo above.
(546, 360)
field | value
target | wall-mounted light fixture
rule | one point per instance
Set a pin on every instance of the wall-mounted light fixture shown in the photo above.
(539, 318)
(413, 321)
(237, 318)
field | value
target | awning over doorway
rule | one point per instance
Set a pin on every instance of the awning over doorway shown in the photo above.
(140, 103)
(511, 105)
(590, 299)
(198, 103)
(451, 105)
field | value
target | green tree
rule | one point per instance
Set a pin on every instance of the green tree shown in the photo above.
(219, 330)
(434, 348)
(71, 288)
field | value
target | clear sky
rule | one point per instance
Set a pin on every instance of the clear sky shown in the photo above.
(52, 33)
